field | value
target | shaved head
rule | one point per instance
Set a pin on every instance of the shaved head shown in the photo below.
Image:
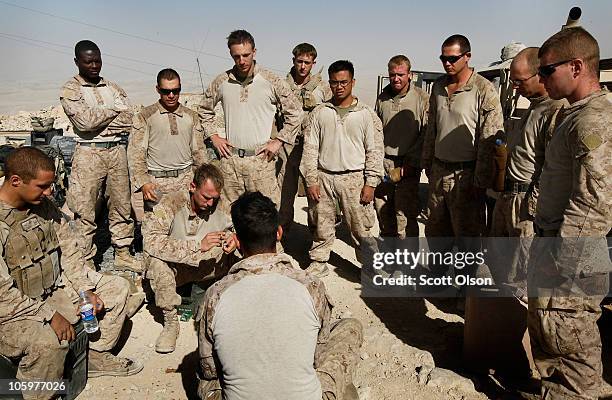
(527, 59)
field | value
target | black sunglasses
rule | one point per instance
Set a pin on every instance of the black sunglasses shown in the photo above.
(166, 92)
(452, 59)
(547, 70)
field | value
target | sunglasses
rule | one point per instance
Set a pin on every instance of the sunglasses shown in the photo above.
(167, 92)
(518, 82)
(547, 70)
(452, 59)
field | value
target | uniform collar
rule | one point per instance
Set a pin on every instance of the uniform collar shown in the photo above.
(232, 75)
(581, 103)
(356, 105)
(263, 262)
(179, 111)
(83, 82)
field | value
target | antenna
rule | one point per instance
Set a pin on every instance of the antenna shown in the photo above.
(200, 73)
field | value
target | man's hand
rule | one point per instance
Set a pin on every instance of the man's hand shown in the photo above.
(271, 149)
(148, 192)
(211, 240)
(96, 301)
(62, 328)
(314, 193)
(222, 145)
(230, 244)
(367, 194)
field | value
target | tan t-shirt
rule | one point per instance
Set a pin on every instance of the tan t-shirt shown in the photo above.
(404, 119)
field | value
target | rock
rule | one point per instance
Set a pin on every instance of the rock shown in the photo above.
(364, 355)
(377, 355)
(446, 379)
(364, 393)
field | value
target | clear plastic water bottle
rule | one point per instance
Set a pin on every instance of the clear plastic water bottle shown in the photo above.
(90, 322)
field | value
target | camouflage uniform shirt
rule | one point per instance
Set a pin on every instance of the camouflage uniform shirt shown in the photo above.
(462, 127)
(75, 271)
(98, 112)
(173, 232)
(249, 107)
(164, 141)
(280, 313)
(353, 142)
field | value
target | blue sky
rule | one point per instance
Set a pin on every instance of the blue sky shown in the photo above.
(367, 33)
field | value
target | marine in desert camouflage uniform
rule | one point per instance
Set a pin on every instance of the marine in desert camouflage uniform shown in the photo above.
(342, 162)
(42, 270)
(312, 90)
(515, 209)
(570, 264)
(465, 116)
(166, 143)
(251, 96)
(99, 112)
(269, 315)
(403, 108)
(187, 238)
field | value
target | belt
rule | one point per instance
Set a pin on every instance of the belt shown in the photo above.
(243, 153)
(173, 173)
(545, 232)
(456, 165)
(100, 145)
(395, 158)
(515, 187)
(348, 171)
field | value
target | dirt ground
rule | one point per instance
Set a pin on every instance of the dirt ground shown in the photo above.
(412, 346)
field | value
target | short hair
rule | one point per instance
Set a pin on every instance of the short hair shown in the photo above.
(530, 56)
(341, 65)
(208, 171)
(462, 41)
(573, 43)
(26, 162)
(256, 222)
(305, 49)
(398, 60)
(167, 74)
(85, 45)
(240, 36)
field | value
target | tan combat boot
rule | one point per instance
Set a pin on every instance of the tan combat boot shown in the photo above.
(318, 269)
(124, 261)
(103, 363)
(166, 342)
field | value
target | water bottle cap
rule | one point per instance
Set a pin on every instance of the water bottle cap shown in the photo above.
(499, 142)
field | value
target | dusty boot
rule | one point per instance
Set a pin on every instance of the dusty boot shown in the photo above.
(133, 303)
(166, 342)
(318, 269)
(125, 261)
(103, 363)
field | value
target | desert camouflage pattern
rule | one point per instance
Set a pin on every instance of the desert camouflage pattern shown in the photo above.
(142, 128)
(24, 328)
(312, 93)
(285, 101)
(489, 123)
(90, 168)
(338, 342)
(373, 170)
(397, 204)
(97, 112)
(563, 329)
(344, 189)
(248, 174)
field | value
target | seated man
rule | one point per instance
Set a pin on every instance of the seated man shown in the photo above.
(41, 271)
(265, 330)
(187, 239)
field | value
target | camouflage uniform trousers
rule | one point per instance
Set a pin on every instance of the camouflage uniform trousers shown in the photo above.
(166, 277)
(335, 362)
(248, 174)
(165, 185)
(454, 214)
(42, 356)
(566, 347)
(344, 188)
(90, 168)
(512, 218)
(397, 205)
(288, 178)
